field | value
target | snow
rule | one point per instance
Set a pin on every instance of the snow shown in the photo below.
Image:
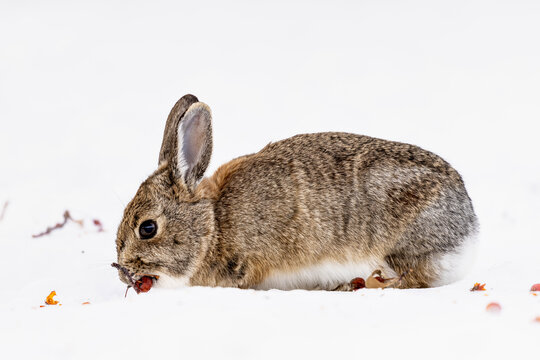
(85, 89)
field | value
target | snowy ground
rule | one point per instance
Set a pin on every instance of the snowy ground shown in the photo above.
(84, 92)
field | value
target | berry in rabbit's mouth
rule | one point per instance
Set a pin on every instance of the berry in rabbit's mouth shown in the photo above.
(144, 284)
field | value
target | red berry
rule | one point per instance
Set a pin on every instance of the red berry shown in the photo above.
(358, 283)
(144, 284)
(535, 287)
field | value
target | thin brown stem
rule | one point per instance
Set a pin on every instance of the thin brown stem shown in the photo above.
(125, 272)
(128, 276)
(67, 217)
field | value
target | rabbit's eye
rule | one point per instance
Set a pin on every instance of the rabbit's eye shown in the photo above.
(148, 229)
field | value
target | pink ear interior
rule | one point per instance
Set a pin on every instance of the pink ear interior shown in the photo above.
(195, 129)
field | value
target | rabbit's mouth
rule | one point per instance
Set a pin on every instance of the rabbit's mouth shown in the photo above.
(139, 282)
(145, 282)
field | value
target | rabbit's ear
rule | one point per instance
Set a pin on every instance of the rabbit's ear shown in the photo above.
(194, 144)
(169, 145)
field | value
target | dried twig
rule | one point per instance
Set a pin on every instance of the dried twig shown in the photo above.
(127, 274)
(143, 283)
(67, 217)
(124, 271)
(4, 210)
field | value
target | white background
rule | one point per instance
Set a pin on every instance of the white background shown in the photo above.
(85, 88)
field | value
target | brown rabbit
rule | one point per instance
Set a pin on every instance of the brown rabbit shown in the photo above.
(313, 212)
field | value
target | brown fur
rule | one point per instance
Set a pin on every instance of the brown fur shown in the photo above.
(296, 203)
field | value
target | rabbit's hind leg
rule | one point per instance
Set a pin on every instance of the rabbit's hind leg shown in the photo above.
(344, 287)
(435, 268)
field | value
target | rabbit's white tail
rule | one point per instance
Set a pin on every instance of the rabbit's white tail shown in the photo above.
(453, 266)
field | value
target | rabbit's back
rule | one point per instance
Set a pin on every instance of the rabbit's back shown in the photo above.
(342, 198)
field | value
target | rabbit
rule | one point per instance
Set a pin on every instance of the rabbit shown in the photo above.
(310, 212)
